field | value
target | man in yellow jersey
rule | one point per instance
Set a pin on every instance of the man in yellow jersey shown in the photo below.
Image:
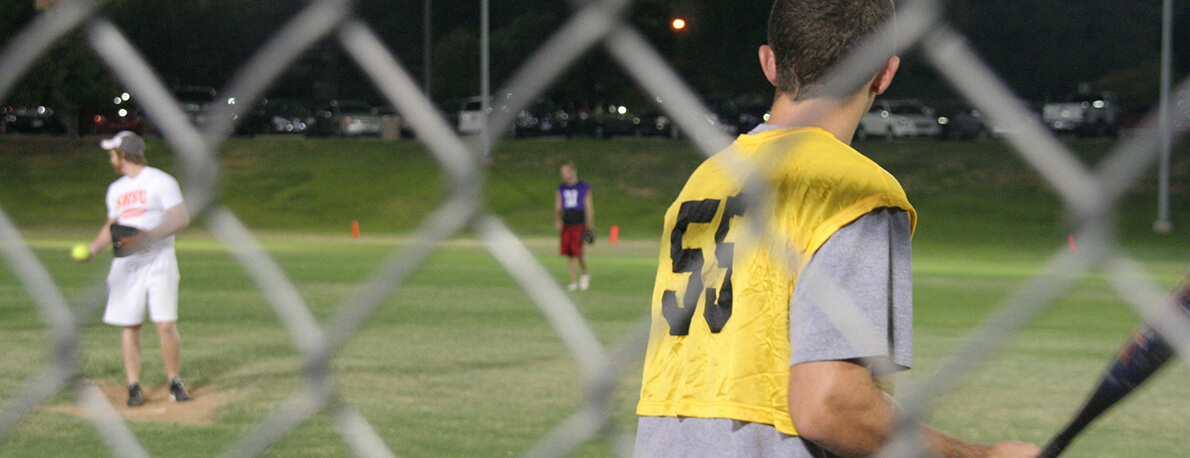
(752, 352)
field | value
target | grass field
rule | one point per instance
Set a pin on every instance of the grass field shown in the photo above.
(460, 362)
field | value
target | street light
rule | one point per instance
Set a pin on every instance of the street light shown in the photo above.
(678, 24)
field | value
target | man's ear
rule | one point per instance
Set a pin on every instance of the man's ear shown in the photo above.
(768, 63)
(884, 79)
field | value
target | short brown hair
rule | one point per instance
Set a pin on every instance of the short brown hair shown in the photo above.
(808, 37)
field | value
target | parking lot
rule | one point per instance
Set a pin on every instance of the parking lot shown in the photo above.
(1082, 115)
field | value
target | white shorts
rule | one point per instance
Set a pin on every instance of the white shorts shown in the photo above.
(148, 278)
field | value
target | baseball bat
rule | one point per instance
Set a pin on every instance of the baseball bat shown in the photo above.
(1144, 353)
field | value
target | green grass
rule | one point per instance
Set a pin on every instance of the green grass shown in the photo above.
(460, 362)
(321, 185)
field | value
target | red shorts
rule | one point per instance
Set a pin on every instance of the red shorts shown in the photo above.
(572, 240)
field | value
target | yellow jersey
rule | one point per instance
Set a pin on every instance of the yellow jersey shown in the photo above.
(719, 342)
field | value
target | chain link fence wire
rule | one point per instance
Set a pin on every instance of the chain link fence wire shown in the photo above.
(1088, 196)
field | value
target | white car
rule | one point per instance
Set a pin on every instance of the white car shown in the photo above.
(1084, 114)
(896, 119)
(348, 118)
(471, 116)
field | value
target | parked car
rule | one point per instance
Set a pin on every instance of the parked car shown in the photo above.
(471, 116)
(347, 118)
(277, 116)
(608, 119)
(196, 102)
(751, 116)
(880, 121)
(1009, 127)
(1084, 114)
(898, 118)
(724, 116)
(118, 119)
(924, 118)
(542, 118)
(655, 122)
(122, 114)
(1180, 113)
(34, 120)
(392, 124)
(960, 121)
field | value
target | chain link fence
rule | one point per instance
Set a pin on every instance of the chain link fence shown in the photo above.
(1089, 195)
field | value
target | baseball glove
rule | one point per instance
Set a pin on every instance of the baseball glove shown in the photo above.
(126, 240)
(589, 236)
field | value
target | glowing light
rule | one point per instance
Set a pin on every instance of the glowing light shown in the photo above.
(679, 24)
(622, 110)
(118, 100)
(122, 112)
(125, 96)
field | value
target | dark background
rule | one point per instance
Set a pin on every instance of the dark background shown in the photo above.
(1043, 49)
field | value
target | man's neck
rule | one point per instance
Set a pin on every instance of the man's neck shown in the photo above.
(839, 117)
(131, 170)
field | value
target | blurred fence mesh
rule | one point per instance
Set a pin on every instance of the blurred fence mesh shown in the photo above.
(1088, 195)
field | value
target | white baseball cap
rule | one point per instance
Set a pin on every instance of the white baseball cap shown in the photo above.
(127, 141)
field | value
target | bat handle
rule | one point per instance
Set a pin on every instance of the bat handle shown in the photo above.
(1056, 446)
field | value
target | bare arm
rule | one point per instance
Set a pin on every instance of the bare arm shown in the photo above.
(176, 219)
(557, 210)
(836, 405)
(589, 205)
(102, 240)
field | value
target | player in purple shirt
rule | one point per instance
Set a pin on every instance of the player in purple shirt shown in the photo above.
(574, 213)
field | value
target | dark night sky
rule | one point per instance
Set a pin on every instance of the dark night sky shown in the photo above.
(1042, 48)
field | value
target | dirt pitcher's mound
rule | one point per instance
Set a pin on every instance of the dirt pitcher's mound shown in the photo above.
(199, 410)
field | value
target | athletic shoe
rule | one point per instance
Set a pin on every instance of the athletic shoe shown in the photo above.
(572, 287)
(136, 396)
(177, 392)
(584, 282)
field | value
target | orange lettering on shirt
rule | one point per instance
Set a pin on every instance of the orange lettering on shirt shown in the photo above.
(132, 213)
(130, 199)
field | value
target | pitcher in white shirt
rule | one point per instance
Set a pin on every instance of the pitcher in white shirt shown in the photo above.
(150, 200)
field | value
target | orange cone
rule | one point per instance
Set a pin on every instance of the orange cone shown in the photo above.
(614, 236)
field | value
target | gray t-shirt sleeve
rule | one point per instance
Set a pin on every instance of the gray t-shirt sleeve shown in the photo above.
(854, 299)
